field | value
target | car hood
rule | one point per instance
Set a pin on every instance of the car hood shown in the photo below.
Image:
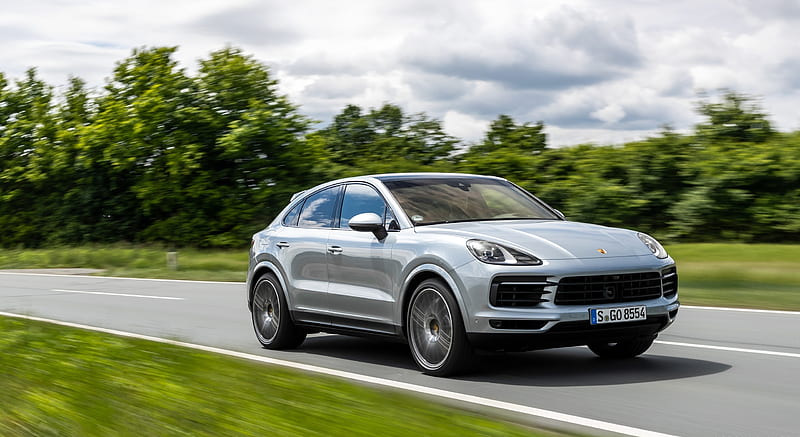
(548, 239)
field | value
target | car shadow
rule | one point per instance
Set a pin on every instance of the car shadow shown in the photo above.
(366, 350)
(564, 367)
(578, 366)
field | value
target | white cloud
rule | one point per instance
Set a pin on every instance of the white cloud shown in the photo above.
(464, 126)
(608, 70)
(559, 137)
(609, 114)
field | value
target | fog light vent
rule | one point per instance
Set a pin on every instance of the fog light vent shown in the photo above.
(517, 324)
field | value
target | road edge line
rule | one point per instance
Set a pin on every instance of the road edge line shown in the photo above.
(122, 277)
(730, 349)
(445, 394)
(742, 310)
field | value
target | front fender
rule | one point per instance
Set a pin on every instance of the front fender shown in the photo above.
(430, 269)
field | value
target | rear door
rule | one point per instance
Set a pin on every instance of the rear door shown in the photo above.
(302, 250)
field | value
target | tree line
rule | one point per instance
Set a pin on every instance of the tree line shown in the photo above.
(206, 159)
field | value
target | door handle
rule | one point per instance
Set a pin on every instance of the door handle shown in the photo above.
(282, 244)
(335, 250)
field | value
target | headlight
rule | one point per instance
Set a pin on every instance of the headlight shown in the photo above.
(493, 253)
(654, 246)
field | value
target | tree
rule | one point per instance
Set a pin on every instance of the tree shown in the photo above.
(506, 133)
(383, 138)
(27, 130)
(70, 190)
(738, 118)
(510, 150)
(257, 157)
(136, 147)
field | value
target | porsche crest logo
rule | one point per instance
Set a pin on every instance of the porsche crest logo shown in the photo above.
(603, 251)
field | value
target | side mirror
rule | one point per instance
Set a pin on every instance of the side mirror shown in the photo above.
(369, 222)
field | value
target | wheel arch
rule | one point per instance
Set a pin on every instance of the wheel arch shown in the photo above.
(419, 275)
(259, 270)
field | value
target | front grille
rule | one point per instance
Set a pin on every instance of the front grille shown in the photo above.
(624, 287)
(518, 291)
(669, 280)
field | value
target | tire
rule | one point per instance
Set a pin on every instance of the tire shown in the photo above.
(271, 320)
(628, 348)
(435, 330)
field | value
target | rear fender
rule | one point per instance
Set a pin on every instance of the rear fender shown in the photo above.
(260, 269)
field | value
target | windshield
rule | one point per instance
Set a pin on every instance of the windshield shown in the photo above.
(429, 201)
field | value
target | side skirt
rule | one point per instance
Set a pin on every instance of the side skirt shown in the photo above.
(314, 322)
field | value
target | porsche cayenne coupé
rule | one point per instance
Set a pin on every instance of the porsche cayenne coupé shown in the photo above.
(451, 263)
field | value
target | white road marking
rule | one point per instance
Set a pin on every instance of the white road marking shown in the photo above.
(476, 400)
(103, 293)
(730, 349)
(53, 275)
(742, 310)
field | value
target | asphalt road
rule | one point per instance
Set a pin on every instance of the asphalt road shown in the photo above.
(713, 372)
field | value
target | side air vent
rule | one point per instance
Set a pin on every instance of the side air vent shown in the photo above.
(669, 281)
(519, 291)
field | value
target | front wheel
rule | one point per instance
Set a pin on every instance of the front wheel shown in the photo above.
(628, 348)
(436, 332)
(271, 321)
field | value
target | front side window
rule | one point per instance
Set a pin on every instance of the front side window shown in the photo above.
(358, 199)
(318, 209)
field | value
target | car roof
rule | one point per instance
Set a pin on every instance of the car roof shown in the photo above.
(390, 177)
(386, 177)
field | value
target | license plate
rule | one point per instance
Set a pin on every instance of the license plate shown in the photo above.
(599, 316)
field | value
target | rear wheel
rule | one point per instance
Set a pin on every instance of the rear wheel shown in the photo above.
(436, 332)
(627, 348)
(271, 321)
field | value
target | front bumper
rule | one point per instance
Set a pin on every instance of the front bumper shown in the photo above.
(550, 325)
(576, 333)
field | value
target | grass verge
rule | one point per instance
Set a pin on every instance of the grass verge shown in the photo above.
(59, 381)
(763, 276)
(134, 262)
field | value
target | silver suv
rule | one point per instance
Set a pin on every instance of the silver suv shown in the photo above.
(451, 263)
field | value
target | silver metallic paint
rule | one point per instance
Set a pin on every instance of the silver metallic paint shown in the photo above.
(370, 279)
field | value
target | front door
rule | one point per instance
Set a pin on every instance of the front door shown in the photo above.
(361, 273)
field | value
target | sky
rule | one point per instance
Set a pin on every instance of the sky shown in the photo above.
(604, 71)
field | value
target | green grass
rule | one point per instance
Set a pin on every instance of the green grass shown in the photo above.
(734, 275)
(134, 262)
(58, 381)
(763, 276)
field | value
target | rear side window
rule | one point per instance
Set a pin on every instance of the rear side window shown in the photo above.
(318, 209)
(290, 219)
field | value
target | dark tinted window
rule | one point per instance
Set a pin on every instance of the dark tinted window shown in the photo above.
(318, 209)
(360, 198)
(290, 219)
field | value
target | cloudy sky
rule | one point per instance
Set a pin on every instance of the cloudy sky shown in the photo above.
(603, 71)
